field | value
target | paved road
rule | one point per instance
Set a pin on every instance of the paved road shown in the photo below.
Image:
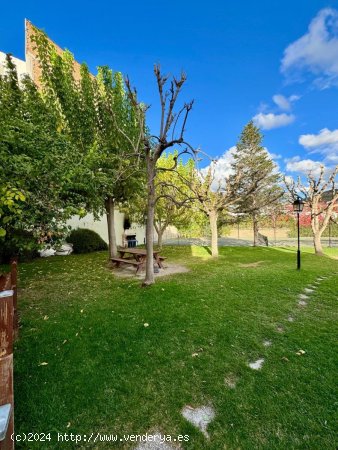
(232, 242)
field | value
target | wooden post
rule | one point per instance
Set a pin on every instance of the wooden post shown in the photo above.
(14, 287)
(6, 362)
(5, 282)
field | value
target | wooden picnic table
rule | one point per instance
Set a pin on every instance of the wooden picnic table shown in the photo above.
(138, 257)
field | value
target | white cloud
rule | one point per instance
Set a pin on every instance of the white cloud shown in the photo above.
(284, 103)
(222, 166)
(294, 98)
(271, 120)
(325, 143)
(324, 138)
(316, 52)
(331, 159)
(274, 156)
(303, 165)
(263, 107)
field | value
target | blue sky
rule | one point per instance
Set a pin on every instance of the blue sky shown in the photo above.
(273, 61)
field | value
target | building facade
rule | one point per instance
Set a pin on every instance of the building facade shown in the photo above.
(30, 66)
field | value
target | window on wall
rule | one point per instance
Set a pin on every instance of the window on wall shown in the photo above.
(126, 223)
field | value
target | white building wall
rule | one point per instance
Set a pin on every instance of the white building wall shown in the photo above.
(100, 227)
(21, 66)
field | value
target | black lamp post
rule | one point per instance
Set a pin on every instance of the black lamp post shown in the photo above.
(298, 206)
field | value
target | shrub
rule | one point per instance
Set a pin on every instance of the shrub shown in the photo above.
(19, 243)
(86, 241)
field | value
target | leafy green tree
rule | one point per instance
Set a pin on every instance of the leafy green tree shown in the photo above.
(98, 117)
(10, 205)
(173, 196)
(259, 182)
(198, 225)
(35, 156)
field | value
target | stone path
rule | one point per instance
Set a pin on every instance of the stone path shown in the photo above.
(201, 416)
(256, 365)
(302, 303)
(230, 381)
(156, 441)
(308, 290)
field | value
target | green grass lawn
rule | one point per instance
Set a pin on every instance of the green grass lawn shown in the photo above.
(109, 373)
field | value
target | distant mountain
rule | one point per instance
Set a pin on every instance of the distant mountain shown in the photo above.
(327, 195)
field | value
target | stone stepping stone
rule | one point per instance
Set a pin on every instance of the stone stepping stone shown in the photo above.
(280, 329)
(291, 319)
(303, 297)
(230, 381)
(200, 417)
(155, 442)
(308, 290)
(267, 343)
(302, 303)
(257, 365)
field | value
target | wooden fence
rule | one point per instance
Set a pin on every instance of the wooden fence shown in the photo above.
(8, 333)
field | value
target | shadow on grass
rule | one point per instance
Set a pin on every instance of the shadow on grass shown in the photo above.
(203, 252)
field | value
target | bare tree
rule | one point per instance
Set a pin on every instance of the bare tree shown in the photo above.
(151, 147)
(214, 196)
(321, 196)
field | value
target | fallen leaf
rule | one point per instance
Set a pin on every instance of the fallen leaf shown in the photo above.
(146, 325)
(43, 364)
(46, 318)
(194, 355)
(300, 352)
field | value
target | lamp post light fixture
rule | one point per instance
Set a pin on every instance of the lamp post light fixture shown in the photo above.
(298, 206)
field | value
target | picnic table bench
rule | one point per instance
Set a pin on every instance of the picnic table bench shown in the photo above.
(137, 257)
(118, 261)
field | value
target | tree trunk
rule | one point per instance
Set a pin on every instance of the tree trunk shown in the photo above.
(317, 232)
(318, 244)
(110, 212)
(255, 230)
(160, 228)
(160, 233)
(149, 279)
(213, 216)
